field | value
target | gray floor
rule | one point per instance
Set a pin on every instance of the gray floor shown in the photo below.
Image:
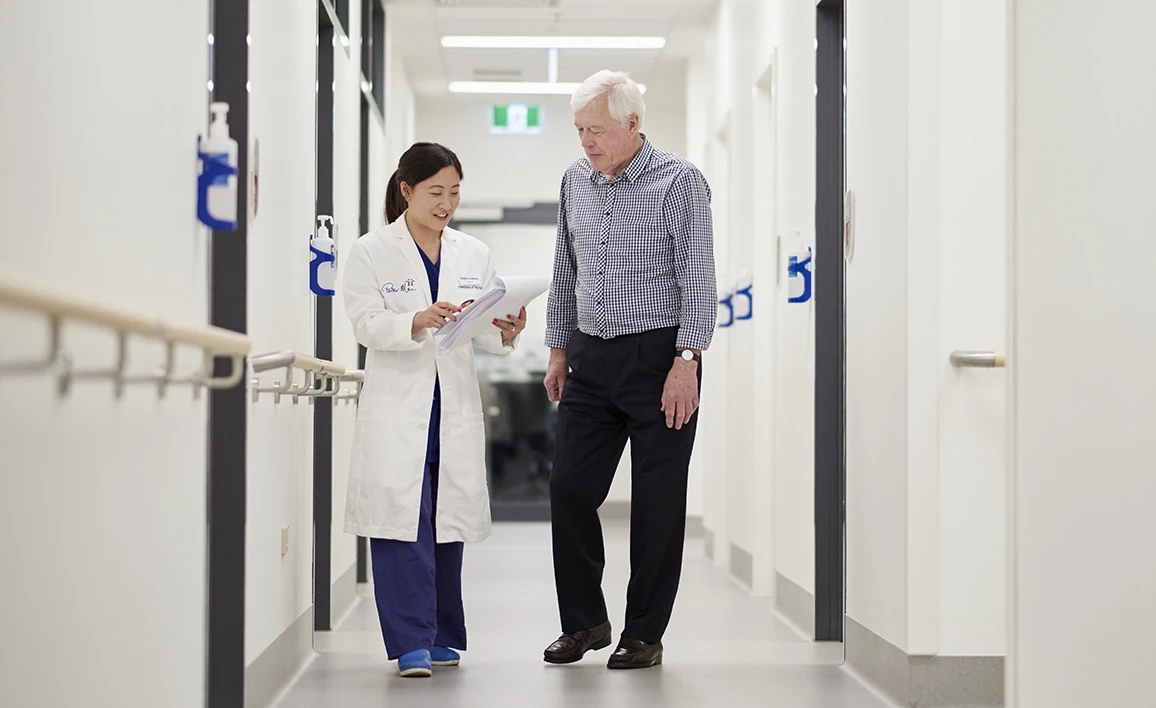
(723, 646)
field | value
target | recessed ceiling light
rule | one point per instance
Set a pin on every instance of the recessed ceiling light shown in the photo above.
(479, 42)
(517, 87)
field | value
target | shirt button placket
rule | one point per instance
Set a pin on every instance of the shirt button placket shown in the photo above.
(603, 248)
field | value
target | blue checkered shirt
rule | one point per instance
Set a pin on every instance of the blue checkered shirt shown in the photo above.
(634, 253)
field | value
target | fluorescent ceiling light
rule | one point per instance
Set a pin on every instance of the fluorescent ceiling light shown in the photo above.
(518, 87)
(479, 42)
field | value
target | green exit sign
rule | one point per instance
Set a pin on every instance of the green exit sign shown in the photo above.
(516, 118)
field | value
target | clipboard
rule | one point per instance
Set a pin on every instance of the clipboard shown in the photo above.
(501, 297)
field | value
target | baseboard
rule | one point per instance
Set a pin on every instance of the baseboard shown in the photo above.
(694, 527)
(958, 681)
(796, 603)
(344, 593)
(614, 510)
(742, 566)
(924, 681)
(269, 672)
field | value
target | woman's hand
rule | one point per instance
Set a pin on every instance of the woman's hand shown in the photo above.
(512, 326)
(435, 317)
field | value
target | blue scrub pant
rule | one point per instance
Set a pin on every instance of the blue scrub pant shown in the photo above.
(418, 585)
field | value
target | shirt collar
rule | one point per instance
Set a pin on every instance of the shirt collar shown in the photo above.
(636, 167)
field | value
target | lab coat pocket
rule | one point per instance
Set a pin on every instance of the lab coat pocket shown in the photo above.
(387, 469)
(463, 491)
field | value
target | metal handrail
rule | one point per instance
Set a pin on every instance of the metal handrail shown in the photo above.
(59, 307)
(265, 362)
(977, 360)
(316, 370)
(355, 376)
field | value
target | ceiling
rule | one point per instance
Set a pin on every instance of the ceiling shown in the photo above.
(418, 26)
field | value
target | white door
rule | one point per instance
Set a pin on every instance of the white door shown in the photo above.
(1083, 355)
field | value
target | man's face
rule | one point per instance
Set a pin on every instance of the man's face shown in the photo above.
(609, 145)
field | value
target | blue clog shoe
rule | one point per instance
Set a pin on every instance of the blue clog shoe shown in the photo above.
(415, 664)
(444, 656)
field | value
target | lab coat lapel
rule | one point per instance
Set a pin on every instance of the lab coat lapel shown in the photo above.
(409, 248)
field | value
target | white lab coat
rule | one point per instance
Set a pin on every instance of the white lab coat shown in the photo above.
(384, 285)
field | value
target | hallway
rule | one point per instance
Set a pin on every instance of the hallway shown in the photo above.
(925, 393)
(724, 647)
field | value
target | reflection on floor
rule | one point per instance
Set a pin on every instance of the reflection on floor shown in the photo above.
(724, 647)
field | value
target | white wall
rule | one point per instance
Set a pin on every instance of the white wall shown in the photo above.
(764, 173)
(280, 445)
(789, 26)
(102, 501)
(710, 461)
(400, 104)
(876, 283)
(755, 448)
(739, 265)
(1083, 387)
(501, 168)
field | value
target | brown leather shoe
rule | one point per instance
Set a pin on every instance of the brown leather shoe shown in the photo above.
(572, 647)
(633, 654)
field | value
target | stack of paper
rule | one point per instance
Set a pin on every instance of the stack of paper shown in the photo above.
(501, 297)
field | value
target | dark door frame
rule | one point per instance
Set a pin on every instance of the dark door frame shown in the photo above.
(227, 409)
(363, 227)
(830, 322)
(328, 28)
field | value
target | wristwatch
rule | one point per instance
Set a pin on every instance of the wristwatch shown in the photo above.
(688, 355)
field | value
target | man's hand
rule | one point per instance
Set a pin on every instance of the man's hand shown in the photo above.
(435, 317)
(680, 395)
(556, 373)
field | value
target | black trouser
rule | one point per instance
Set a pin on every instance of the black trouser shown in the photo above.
(614, 392)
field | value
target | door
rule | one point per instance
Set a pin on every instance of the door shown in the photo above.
(1083, 342)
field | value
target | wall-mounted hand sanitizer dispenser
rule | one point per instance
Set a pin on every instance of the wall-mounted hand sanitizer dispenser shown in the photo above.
(726, 311)
(744, 302)
(799, 276)
(323, 263)
(217, 184)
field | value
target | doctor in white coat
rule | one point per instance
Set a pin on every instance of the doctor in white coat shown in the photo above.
(417, 483)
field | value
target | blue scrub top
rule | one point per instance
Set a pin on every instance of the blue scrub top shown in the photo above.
(433, 444)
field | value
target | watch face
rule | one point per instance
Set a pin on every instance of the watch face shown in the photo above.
(688, 355)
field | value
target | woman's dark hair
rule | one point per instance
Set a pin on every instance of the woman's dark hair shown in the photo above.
(419, 163)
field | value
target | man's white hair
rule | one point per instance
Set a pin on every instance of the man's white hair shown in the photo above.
(624, 96)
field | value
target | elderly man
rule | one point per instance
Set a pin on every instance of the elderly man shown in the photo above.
(632, 306)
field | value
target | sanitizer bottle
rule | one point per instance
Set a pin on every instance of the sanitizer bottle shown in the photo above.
(323, 266)
(799, 276)
(217, 185)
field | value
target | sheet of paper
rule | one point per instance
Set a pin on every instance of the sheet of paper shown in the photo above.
(501, 297)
